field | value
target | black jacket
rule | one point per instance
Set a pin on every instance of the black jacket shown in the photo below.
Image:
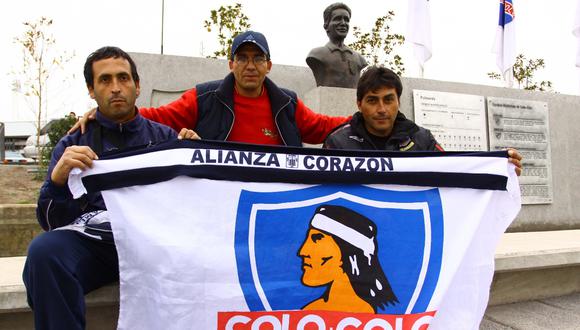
(406, 136)
(216, 110)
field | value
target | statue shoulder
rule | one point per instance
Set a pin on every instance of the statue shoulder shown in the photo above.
(318, 53)
(361, 59)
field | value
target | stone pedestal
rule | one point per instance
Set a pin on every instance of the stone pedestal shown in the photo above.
(333, 101)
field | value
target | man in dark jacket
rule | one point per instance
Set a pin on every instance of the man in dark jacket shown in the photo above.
(77, 253)
(379, 125)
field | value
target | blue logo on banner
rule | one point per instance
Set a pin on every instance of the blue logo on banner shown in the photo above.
(272, 227)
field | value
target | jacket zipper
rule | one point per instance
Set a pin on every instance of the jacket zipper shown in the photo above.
(46, 215)
(233, 121)
(276, 121)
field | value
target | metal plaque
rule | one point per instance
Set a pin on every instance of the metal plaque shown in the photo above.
(457, 121)
(523, 125)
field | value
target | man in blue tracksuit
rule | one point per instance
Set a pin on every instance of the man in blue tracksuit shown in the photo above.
(77, 253)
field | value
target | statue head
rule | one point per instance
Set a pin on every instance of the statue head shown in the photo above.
(336, 20)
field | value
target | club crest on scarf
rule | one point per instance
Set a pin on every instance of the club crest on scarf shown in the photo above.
(344, 249)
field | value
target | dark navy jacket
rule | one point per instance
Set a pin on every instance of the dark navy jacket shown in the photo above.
(406, 136)
(216, 110)
(56, 206)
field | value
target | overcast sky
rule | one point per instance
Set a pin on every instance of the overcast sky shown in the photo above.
(462, 34)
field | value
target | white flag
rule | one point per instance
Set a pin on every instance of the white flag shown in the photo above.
(505, 41)
(576, 32)
(419, 30)
(230, 236)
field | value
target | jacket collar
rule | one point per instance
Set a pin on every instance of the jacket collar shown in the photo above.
(278, 98)
(332, 47)
(225, 90)
(130, 126)
(403, 128)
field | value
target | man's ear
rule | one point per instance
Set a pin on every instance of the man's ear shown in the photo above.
(358, 104)
(269, 66)
(137, 88)
(231, 65)
(91, 91)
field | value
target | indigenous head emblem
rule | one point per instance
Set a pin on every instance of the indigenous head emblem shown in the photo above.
(340, 252)
(348, 249)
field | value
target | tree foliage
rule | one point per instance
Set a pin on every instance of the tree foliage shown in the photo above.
(524, 70)
(228, 22)
(378, 46)
(57, 130)
(39, 62)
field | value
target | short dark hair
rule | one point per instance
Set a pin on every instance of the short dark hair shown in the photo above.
(326, 15)
(376, 77)
(104, 53)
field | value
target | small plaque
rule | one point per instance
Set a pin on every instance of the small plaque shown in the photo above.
(457, 121)
(523, 125)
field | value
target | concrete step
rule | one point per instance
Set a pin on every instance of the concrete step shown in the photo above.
(536, 265)
(531, 269)
(18, 226)
(102, 304)
(562, 313)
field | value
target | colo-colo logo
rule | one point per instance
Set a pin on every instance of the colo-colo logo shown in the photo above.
(321, 320)
(299, 162)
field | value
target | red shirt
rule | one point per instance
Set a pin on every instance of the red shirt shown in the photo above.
(261, 129)
(253, 123)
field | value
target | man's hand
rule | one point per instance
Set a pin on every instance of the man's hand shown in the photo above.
(516, 159)
(82, 122)
(73, 156)
(187, 134)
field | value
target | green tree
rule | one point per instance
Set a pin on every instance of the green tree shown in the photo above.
(39, 62)
(57, 130)
(228, 22)
(524, 70)
(378, 46)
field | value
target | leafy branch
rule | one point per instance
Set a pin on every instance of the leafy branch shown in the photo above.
(228, 22)
(378, 45)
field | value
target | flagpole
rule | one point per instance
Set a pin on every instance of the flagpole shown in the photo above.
(576, 33)
(162, 19)
(504, 44)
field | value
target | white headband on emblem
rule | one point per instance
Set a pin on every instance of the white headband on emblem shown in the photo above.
(331, 226)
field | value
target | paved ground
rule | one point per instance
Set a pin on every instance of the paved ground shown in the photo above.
(561, 313)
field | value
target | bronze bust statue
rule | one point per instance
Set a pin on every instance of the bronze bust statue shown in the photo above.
(334, 64)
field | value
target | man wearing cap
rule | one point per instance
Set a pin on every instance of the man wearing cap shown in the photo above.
(246, 106)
